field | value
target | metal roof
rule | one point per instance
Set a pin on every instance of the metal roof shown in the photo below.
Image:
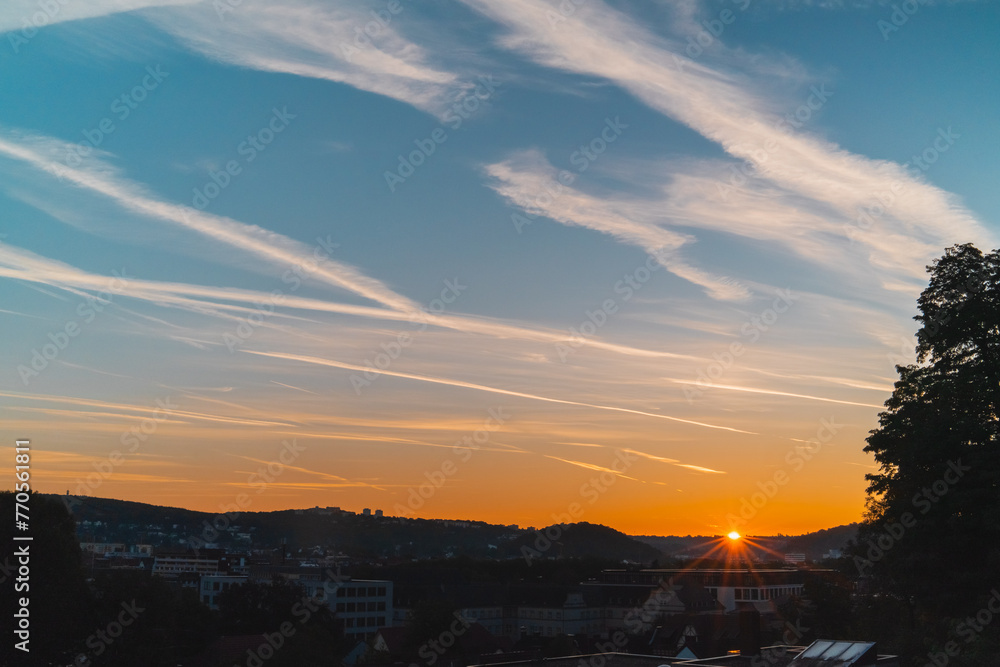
(828, 653)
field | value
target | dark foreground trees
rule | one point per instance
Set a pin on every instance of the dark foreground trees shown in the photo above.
(932, 536)
(49, 577)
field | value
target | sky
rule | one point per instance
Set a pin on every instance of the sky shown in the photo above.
(644, 264)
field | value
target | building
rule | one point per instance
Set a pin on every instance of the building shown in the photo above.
(596, 610)
(731, 588)
(168, 566)
(99, 548)
(212, 584)
(821, 653)
(363, 605)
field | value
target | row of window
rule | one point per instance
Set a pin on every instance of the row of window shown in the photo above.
(369, 622)
(361, 591)
(351, 607)
(765, 593)
(586, 614)
(205, 569)
(217, 585)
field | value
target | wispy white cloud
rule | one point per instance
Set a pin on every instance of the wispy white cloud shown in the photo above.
(235, 304)
(772, 392)
(528, 181)
(701, 469)
(113, 408)
(277, 249)
(470, 385)
(323, 40)
(739, 113)
(591, 466)
(16, 15)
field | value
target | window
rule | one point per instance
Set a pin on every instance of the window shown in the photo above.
(380, 606)
(372, 591)
(371, 606)
(351, 607)
(381, 591)
(349, 623)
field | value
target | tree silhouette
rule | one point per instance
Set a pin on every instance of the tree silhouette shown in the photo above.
(60, 605)
(932, 533)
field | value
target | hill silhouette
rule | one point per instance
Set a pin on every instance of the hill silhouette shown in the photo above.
(330, 530)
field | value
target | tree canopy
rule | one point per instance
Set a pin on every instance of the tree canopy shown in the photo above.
(933, 524)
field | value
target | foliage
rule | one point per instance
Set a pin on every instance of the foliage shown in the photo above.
(932, 536)
(59, 602)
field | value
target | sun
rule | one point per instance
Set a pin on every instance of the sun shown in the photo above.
(733, 536)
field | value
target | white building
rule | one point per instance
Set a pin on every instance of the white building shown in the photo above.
(173, 565)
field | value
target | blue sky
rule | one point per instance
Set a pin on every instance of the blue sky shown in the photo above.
(693, 231)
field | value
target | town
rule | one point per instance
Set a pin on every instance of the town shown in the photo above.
(394, 590)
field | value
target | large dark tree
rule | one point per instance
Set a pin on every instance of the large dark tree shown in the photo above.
(60, 607)
(933, 528)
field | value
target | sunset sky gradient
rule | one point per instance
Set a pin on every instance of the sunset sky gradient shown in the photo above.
(486, 260)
